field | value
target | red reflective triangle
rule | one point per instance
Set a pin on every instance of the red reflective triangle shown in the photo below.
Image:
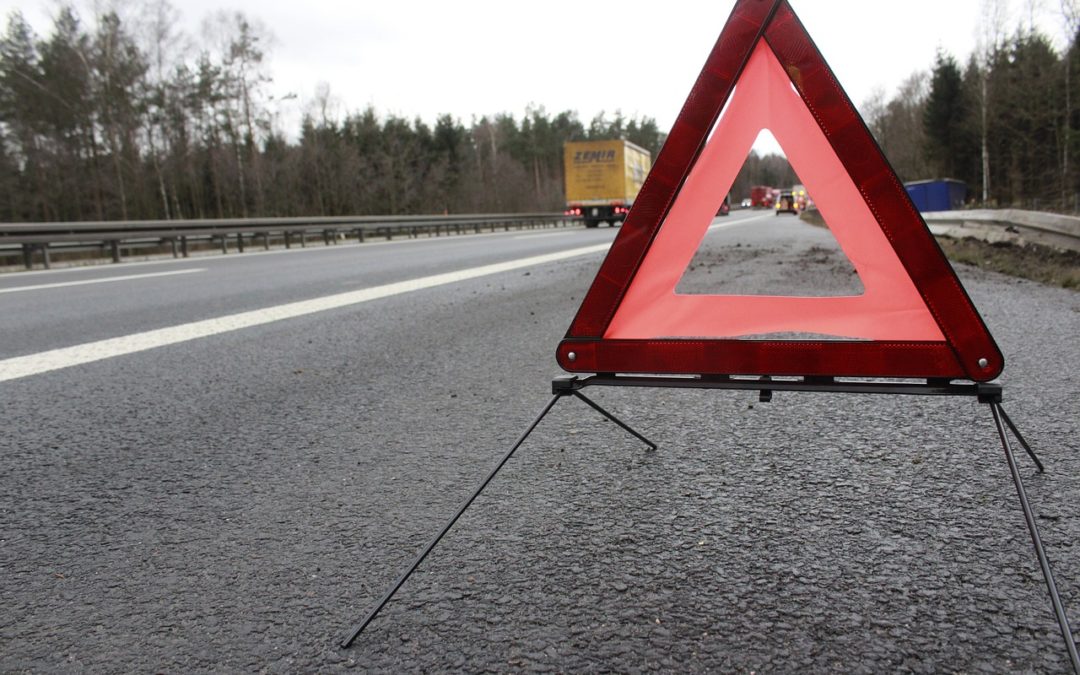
(914, 318)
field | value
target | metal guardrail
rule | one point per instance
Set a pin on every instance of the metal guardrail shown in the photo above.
(1008, 225)
(114, 238)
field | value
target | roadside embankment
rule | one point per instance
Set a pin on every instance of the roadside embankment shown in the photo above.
(1030, 245)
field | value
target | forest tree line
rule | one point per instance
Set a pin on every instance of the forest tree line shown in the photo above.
(109, 123)
(1006, 121)
(118, 119)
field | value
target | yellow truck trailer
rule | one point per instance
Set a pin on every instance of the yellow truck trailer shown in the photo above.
(603, 178)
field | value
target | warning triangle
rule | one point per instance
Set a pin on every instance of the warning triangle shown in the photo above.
(913, 319)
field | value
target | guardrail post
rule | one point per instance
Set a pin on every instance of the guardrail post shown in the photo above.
(172, 244)
(326, 237)
(224, 244)
(303, 238)
(28, 256)
(288, 239)
(114, 246)
(45, 255)
(183, 246)
(359, 235)
(240, 242)
(266, 241)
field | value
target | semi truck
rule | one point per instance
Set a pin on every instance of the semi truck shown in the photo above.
(603, 178)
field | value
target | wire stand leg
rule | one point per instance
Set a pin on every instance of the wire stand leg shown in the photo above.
(1040, 552)
(1019, 437)
(616, 420)
(416, 563)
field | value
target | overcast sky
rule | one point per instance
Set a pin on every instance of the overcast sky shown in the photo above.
(475, 57)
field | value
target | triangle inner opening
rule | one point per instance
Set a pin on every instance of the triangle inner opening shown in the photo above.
(769, 240)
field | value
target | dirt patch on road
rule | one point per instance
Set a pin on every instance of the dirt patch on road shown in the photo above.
(1038, 263)
(1031, 261)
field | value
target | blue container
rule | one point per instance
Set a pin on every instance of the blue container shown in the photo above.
(937, 195)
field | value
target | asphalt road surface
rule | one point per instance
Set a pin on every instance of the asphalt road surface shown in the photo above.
(219, 464)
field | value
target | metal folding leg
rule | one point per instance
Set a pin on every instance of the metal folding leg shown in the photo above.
(616, 420)
(1040, 552)
(1019, 437)
(431, 545)
(476, 493)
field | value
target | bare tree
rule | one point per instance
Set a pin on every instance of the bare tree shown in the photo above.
(1070, 11)
(1032, 8)
(165, 48)
(1070, 14)
(990, 34)
(240, 45)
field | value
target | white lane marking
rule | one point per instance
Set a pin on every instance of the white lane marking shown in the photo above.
(129, 277)
(34, 364)
(546, 234)
(736, 223)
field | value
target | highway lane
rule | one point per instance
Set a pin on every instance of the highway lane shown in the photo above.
(60, 316)
(235, 502)
(50, 310)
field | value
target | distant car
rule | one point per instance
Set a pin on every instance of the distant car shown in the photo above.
(802, 200)
(786, 203)
(746, 203)
(725, 208)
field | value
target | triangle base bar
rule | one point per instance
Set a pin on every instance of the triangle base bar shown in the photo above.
(761, 357)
